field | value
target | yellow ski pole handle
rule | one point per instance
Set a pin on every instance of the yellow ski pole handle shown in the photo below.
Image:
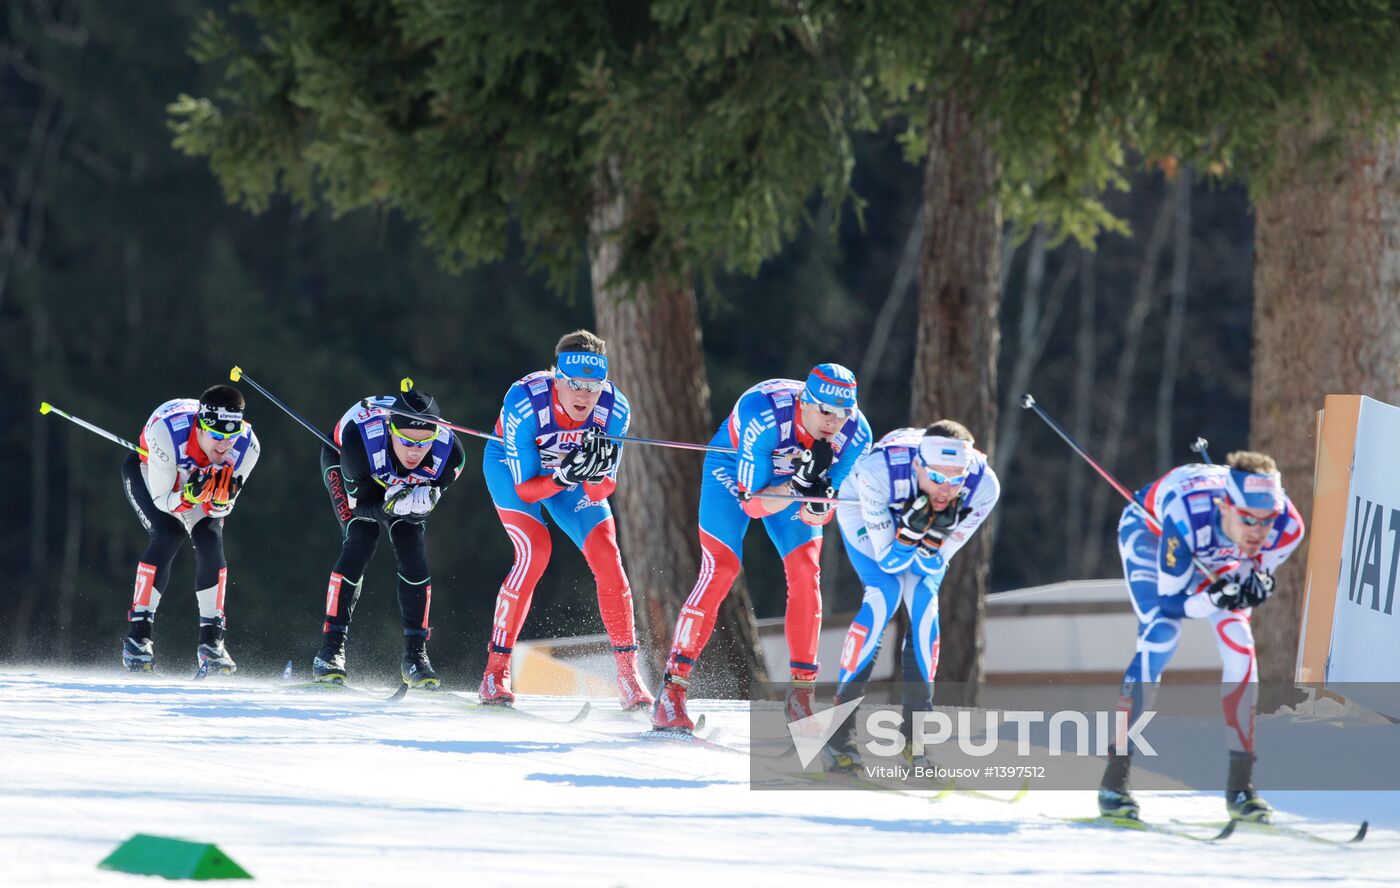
(46, 408)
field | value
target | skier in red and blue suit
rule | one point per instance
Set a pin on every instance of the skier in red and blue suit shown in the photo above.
(793, 438)
(554, 458)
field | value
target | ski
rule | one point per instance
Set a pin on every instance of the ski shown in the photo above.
(992, 796)
(856, 780)
(1281, 829)
(465, 701)
(1180, 832)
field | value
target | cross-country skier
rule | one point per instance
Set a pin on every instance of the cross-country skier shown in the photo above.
(922, 493)
(199, 455)
(555, 459)
(390, 472)
(793, 438)
(1237, 521)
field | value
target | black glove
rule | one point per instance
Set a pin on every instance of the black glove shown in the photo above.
(914, 519)
(606, 454)
(821, 508)
(812, 466)
(1256, 589)
(942, 526)
(1224, 593)
(576, 467)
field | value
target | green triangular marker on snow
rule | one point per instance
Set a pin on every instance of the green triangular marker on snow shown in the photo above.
(146, 855)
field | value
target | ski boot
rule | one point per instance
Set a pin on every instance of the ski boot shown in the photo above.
(630, 689)
(329, 665)
(841, 752)
(798, 704)
(1115, 800)
(495, 683)
(668, 714)
(1241, 798)
(211, 654)
(138, 651)
(416, 670)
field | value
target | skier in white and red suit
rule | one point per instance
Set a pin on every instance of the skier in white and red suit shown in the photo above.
(199, 454)
(1236, 521)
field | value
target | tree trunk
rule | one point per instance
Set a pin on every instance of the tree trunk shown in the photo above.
(1104, 501)
(1085, 370)
(653, 335)
(955, 358)
(1176, 320)
(1326, 321)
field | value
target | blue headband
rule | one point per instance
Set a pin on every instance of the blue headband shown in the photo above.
(582, 365)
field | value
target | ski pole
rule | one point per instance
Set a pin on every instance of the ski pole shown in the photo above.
(237, 375)
(623, 439)
(428, 417)
(45, 407)
(1029, 403)
(368, 404)
(1199, 446)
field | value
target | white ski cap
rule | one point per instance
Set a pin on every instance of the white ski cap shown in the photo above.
(936, 450)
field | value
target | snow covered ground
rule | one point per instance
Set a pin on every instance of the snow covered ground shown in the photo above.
(331, 789)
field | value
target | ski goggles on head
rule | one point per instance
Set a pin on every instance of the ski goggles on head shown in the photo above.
(938, 477)
(1250, 520)
(407, 441)
(218, 435)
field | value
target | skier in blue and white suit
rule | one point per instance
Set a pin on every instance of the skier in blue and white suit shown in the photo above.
(921, 495)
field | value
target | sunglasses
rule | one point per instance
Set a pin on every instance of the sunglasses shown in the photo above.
(582, 385)
(842, 412)
(940, 478)
(218, 435)
(410, 442)
(1250, 520)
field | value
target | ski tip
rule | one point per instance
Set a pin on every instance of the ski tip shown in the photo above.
(700, 722)
(1360, 833)
(236, 374)
(582, 713)
(1024, 791)
(1226, 832)
(400, 693)
(45, 406)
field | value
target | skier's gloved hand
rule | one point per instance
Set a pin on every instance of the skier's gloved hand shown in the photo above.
(423, 499)
(226, 487)
(396, 500)
(818, 513)
(606, 453)
(812, 468)
(1255, 590)
(199, 488)
(828, 492)
(1225, 593)
(942, 525)
(576, 467)
(914, 519)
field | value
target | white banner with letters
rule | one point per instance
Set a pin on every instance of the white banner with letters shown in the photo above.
(1366, 627)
